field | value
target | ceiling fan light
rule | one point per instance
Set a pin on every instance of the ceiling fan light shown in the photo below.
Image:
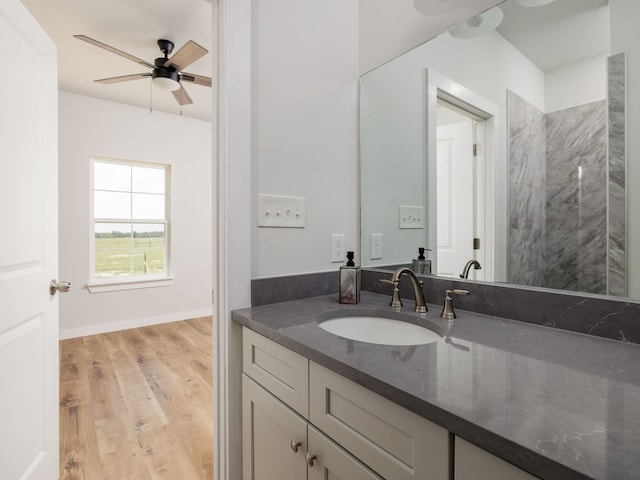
(165, 83)
(478, 25)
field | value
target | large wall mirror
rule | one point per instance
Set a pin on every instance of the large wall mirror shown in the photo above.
(501, 144)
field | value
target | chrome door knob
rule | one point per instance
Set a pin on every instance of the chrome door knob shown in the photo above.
(55, 286)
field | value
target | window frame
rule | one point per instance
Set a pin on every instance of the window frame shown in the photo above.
(126, 282)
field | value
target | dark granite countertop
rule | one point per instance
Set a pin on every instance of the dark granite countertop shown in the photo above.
(559, 405)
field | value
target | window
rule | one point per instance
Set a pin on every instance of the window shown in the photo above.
(130, 225)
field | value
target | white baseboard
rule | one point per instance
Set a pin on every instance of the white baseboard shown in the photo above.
(134, 323)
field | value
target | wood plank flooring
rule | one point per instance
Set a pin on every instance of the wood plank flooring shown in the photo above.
(138, 404)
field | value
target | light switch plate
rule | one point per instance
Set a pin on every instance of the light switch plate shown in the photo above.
(411, 216)
(281, 211)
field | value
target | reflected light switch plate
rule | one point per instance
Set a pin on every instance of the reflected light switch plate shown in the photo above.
(411, 216)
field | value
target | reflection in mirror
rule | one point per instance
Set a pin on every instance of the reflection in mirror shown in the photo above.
(525, 175)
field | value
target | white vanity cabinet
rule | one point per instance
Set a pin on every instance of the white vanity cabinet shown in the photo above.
(279, 443)
(474, 463)
(334, 429)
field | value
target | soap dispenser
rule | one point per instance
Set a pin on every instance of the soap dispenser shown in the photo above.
(350, 281)
(421, 264)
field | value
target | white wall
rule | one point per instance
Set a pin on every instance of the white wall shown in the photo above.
(624, 38)
(578, 84)
(91, 127)
(305, 128)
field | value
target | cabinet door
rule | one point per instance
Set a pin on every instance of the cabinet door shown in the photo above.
(270, 431)
(332, 462)
(473, 463)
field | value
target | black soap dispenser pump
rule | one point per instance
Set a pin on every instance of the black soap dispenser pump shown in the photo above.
(350, 281)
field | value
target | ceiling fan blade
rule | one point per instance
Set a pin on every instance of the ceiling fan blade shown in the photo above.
(113, 50)
(189, 53)
(197, 79)
(182, 96)
(123, 78)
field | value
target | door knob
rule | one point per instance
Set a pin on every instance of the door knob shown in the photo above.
(55, 286)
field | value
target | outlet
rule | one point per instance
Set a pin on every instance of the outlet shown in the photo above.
(376, 246)
(208, 288)
(338, 247)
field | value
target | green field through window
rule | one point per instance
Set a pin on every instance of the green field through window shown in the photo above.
(129, 256)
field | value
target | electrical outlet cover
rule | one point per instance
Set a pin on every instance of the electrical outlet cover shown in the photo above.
(376, 246)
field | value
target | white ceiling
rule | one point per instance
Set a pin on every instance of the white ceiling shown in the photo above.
(557, 34)
(133, 26)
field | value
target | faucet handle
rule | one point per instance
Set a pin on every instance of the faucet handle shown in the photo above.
(457, 291)
(448, 312)
(396, 302)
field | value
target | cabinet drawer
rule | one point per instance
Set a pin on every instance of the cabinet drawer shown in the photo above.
(473, 463)
(394, 442)
(283, 372)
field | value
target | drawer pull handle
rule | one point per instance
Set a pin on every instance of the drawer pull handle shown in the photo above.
(294, 446)
(309, 459)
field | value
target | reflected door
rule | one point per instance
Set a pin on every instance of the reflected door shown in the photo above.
(455, 214)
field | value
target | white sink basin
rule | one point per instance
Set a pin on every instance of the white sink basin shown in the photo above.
(384, 331)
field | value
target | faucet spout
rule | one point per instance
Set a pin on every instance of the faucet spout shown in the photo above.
(421, 305)
(471, 263)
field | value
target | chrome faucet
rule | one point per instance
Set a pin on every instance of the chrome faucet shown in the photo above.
(396, 302)
(471, 263)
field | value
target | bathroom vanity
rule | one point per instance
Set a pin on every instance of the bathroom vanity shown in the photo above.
(491, 399)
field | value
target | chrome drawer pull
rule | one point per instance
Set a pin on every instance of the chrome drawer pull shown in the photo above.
(294, 446)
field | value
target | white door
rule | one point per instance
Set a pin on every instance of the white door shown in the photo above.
(28, 249)
(455, 197)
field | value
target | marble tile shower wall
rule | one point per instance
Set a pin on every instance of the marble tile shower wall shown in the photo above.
(577, 198)
(617, 169)
(558, 196)
(527, 192)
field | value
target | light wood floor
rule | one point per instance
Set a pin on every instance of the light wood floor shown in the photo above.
(137, 404)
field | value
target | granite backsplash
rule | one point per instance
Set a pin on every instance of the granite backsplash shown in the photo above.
(597, 315)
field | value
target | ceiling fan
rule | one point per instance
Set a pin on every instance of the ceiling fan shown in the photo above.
(166, 71)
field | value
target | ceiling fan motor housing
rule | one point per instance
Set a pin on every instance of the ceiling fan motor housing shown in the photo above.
(161, 70)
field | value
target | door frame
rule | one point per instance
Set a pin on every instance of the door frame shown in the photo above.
(438, 86)
(231, 127)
